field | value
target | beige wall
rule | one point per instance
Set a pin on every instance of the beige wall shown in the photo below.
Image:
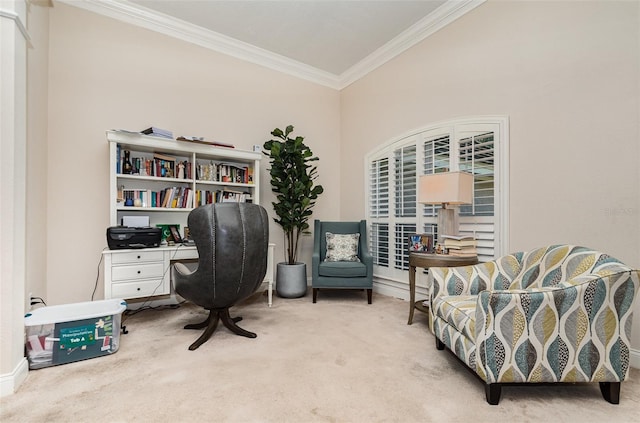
(105, 74)
(37, 148)
(566, 74)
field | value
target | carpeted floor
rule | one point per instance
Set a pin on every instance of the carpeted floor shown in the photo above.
(339, 360)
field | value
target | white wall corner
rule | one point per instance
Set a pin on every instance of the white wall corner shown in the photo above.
(10, 382)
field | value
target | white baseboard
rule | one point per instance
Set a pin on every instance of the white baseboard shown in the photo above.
(10, 382)
(400, 290)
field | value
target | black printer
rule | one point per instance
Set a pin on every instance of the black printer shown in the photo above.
(120, 237)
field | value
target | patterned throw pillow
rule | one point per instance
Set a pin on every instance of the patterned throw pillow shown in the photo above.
(342, 247)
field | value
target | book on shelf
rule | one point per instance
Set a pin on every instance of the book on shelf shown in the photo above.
(154, 131)
(163, 156)
(170, 198)
(224, 172)
(158, 164)
(233, 197)
(201, 140)
(202, 197)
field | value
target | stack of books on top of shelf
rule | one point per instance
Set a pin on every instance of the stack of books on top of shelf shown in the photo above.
(158, 132)
(460, 245)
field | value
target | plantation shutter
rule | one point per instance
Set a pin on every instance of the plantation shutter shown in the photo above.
(476, 156)
(405, 172)
(474, 145)
(379, 209)
(405, 181)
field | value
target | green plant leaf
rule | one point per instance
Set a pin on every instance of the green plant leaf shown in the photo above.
(292, 180)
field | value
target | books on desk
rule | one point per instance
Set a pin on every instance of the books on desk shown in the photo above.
(460, 245)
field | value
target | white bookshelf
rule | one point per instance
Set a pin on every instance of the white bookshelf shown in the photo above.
(145, 273)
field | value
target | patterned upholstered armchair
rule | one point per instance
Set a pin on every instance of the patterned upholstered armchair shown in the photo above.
(556, 314)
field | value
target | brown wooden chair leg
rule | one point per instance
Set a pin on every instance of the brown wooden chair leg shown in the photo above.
(231, 324)
(212, 323)
(439, 344)
(611, 391)
(200, 325)
(369, 294)
(315, 295)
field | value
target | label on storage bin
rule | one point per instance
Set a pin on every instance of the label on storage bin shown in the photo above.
(77, 336)
(82, 339)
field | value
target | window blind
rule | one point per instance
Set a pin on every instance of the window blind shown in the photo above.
(405, 181)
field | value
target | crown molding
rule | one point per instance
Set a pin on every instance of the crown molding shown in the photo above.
(142, 17)
(145, 18)
(438, 19)
(10, 14)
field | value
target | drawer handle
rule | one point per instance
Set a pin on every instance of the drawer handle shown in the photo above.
(138, 257)
(139, 272)
(138, 289)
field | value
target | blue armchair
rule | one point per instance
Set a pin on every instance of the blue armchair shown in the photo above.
(331, 267)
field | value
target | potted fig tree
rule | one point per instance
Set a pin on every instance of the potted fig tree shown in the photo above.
(292, 180)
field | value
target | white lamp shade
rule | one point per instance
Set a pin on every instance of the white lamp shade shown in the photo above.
(446, 188)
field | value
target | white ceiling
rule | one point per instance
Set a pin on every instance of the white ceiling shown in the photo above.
(329, 35)
(327, 41)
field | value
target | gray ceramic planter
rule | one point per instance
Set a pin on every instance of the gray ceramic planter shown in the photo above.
(291, 280)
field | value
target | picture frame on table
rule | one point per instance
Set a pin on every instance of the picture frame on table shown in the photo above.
(169, 232)
(175, 233)
(421, 243)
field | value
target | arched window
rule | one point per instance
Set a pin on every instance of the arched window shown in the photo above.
(479, 146)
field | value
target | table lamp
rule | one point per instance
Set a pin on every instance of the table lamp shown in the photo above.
(448, 188)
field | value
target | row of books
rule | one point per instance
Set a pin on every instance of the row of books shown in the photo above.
(460, 245)
(159, 165)
(179, 197)
(221, 196)
(224, 172)
(167, 166)
(172, 197)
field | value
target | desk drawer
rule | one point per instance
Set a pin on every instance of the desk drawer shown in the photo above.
(136, 257)
(137, 271)
(138, 289)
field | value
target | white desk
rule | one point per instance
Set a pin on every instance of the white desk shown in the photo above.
(145, 272)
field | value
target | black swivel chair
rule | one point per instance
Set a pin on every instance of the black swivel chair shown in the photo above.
(232, 241)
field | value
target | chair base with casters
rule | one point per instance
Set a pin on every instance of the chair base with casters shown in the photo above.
(232, 241)
(345, 274)
(212, 322)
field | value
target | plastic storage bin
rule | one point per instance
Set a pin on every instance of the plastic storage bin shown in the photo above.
(72, 332)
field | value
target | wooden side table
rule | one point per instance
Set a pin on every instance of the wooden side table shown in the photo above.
(426, 261)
